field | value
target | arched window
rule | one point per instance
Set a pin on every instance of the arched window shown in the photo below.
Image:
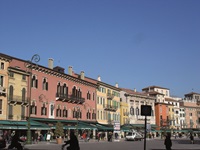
(132, 111)
(74, 91)
(137, 111)
(58, 88)
(33, 108)
(45, 84)
(23, 95)
(43, 109)
(34, 82)
(65, 90)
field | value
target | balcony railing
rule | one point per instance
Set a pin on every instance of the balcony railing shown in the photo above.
(2, 91)
(10, 116)
(69, 98)
(18, 100)
(23, 117)
(62, 97)
(110, 107)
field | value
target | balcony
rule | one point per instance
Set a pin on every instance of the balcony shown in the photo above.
(10, 116)
(69, 98)
(2, 91)
(77, 100)
(23, 117)
(17, 100)
(62, 97)
(110, 96)
(110, 108)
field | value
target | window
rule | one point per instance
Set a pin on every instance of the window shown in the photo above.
(58, 112)
(65, 90)
(45, 84)
(2, 65)
(88, 95)
(65, 112)
(190, 114)
(0, 106)
(93, 96)
(24, 77)
(137, 111)
(1, 81)
(132, 110)
(43, 110)
(11, 74)
(23, 112)
(11, 93)
(10, 114)
(34, 82)
(23, 95)
(88, 115)
(33, 109)
(93, 115)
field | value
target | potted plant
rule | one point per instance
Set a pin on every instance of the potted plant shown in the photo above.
(59, 132)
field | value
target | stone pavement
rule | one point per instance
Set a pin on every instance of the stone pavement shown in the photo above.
(152, 144)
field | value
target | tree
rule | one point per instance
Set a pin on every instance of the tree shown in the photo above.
(59, 132)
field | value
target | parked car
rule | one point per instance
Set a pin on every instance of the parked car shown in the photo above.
(133, 136)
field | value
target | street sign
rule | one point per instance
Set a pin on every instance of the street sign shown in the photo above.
(145, 110)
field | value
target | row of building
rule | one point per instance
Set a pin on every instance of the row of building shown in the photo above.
(50, 94)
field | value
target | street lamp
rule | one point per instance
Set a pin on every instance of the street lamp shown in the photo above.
(30, 65)
(77, 116)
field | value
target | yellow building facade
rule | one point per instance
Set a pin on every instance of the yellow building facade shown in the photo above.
(17, 94)
(108, 104)
(124, 113)
(4, 64)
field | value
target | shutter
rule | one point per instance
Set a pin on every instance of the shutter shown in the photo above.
(45, 111)
(36, 83)
(47, 86)
(41, 111)
(35, 110)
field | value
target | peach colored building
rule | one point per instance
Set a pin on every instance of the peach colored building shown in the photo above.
(190, 106)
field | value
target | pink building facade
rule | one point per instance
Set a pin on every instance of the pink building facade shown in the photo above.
(54, 94)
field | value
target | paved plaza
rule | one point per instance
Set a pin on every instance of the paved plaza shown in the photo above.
(152, 144)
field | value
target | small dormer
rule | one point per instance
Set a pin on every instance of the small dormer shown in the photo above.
(59, 69)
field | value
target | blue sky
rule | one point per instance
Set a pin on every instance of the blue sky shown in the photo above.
(136, 43)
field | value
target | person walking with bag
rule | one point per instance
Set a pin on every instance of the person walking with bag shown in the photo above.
(73, 142)
(168, 142)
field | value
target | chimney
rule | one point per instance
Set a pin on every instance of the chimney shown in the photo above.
(82, 75)
(134, 89)
(99, 78)
(50, 63)
(116, 85)
(70, 70)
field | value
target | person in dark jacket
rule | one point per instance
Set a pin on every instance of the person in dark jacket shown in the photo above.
(73, 142)
(168, 142)
(15, 142)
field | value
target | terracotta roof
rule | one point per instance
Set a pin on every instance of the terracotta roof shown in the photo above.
(129, 91)
(154, 93)
(154, 86)
(191, 93)
(170, 100)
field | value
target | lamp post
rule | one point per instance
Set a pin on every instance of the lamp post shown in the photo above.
(30, 65)
(77, 116)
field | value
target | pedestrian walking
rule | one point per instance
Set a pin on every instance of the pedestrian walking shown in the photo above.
(168, 142)
(191, 138)
(73, 142)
